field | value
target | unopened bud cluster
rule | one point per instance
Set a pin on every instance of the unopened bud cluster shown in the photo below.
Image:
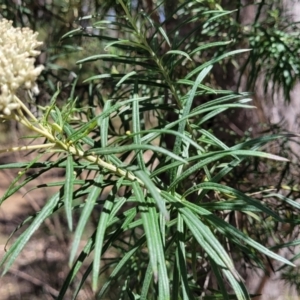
(17, 56)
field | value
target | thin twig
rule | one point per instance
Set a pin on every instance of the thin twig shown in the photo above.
(24, 148)
(34, 281)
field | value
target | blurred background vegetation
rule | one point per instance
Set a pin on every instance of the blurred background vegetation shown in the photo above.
(71, 30)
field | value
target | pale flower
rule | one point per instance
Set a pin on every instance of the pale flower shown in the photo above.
(17, 56)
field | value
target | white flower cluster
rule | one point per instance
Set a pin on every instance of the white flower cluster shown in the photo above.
(17, 56)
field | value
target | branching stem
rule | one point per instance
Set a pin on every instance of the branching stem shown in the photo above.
(58, 145)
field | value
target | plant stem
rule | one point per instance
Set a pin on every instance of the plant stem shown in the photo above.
(31, 147)
(55, 143)
(97, 160)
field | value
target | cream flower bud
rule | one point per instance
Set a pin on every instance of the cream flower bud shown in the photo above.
(35, 90)
(17, 56)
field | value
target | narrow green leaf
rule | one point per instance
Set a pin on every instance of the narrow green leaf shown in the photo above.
(21, 165)
(153, 190)
(148, 137)
(112, 238)
(219, 14)
(103, 124)
(210, 45)
(20, 243)
(228, 229)
(287, 200)
(181, 259)
(100, 235)
(208, 241)
(134, 45)
(219, 279)
(119, 202)
(95, 57)
(71, 33)
(234, 205)
(146, 283)
(136, 130)
(105, 218)
(154, 242)
(214, 60)
(132, 147)
(239, 195)
(202, 87)
(129, 215)
(84, 136)
(238, 286)
(286, 245)
(215, 139)
(14, 187)
(163, 33)
(179, 52)
(260, 141)
(121, 265)
(185, 112)
(76, 267)
(83, 131)
(59, 118)
(120, 104)
(84, 217)
(150, 231)
(98, 77)
(214, 156)
(68, 191)
(125, 77)
(175, 282)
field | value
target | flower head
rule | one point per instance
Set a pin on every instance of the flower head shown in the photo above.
(17, 56)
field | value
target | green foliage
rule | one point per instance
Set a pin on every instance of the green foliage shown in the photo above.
(274, 41)
(137, 146)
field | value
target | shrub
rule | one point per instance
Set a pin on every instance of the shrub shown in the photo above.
(137, 148)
